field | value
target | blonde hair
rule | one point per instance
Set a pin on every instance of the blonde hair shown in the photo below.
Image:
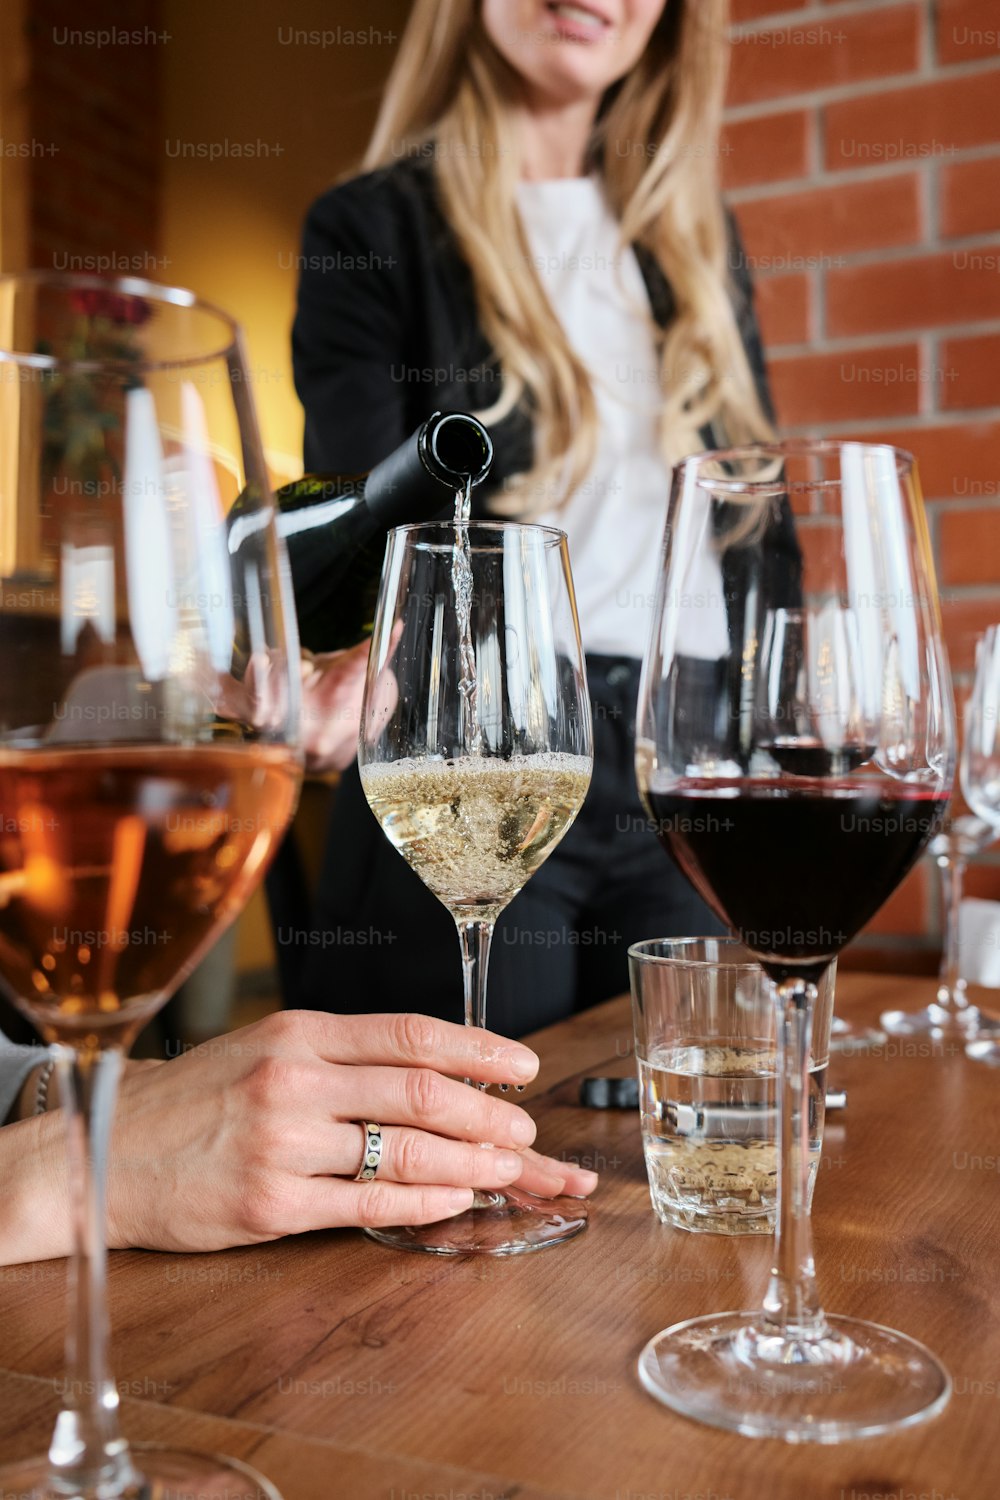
(450, 93)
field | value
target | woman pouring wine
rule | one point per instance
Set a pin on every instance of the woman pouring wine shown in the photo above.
(539, 237)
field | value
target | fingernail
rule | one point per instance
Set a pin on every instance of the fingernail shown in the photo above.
(522, 1128)
(460, 1198)
(508, 1165)
(588, 1180)
(523, 1063)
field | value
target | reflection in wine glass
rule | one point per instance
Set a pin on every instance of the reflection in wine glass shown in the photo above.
(148, 741)
(809, 720)
(795, 770)
(475, 755)
(980, 780)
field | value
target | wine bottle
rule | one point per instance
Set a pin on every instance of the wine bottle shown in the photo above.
(334, 525)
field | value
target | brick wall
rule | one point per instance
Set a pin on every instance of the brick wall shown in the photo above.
(862, 157)
(94, 108)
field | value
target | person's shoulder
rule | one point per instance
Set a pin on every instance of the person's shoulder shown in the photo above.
(385, 198)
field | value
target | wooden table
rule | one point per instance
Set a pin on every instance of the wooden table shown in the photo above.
(344, 1369)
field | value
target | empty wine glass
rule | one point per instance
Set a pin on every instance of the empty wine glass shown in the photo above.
(795, 748)
(980, 777)
(148, 743)
(475, 754)
(961, 837)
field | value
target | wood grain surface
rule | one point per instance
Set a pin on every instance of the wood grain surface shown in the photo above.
(346, 1369)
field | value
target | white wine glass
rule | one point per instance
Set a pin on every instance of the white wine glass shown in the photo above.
(149, 756)
(475, 755)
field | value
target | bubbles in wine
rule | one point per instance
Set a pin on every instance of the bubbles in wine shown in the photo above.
(474, 830)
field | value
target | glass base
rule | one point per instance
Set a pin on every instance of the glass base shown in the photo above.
(940, 1022)
(161, 1474)
(509, 1223)
(858, 1381)
(845, 1037)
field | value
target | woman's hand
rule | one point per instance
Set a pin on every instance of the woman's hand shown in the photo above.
(255, 1135)
(333, 688)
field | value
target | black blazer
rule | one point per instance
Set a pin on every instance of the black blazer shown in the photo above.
(386, 330)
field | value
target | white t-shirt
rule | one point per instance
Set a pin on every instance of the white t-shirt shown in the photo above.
(615, 519)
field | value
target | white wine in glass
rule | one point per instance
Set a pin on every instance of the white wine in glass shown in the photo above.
(475, 756)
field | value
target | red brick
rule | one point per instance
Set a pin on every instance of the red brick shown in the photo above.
(783, 309)
(971, 372)
(914, 124)
(816, 539)
(749, 10)
(849, 386)
(962, 286)
(907, 910)
(968, 549)
(970, 194)
(967, 29)
(956, 462)
(826, 222)
(983, 882)
(803, 55)
(964, 622)
(765, 150)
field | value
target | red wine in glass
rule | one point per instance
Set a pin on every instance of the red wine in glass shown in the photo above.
(795, 746)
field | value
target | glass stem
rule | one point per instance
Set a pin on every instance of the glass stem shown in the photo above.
(475, 937)
(88, 1455)
(951, 985)
(791, 1307)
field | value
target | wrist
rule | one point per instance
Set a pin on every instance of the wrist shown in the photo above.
(36, 1221)
(26, 1103)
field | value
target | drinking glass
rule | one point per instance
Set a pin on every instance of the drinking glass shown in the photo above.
(980, 780)
(962, 836)
(795, 746)
(148, 742)
(705, 1050)
(475, 755)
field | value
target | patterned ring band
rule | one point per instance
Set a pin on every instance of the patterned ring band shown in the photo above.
(373, 1151)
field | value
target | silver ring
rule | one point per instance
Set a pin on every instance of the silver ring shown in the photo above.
(373, 1151)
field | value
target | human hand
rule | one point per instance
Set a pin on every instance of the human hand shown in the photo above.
(256, 1134)
(333, 686)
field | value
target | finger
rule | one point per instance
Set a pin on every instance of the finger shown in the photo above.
(332, 692)
(417, 1156)
(426, 1099)
(421, 1041)
(549, 1177)
(328, 1203)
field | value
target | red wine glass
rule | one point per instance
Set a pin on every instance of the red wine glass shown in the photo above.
(795, 747)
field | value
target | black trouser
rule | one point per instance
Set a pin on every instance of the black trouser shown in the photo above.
(381, 942)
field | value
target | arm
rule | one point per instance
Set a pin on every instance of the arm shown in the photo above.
(255, 1135)
(350, 329)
